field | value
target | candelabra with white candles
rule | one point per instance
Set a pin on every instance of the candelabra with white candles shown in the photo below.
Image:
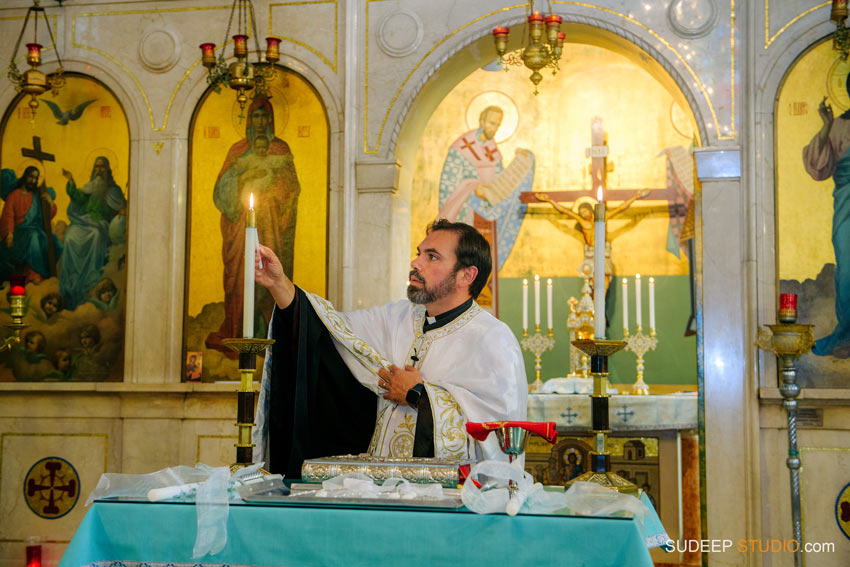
(639, 343)
(537, 343)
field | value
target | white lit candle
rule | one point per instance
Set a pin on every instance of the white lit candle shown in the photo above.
(536, 302)
(638, 315)
(524, 306)
(625, 306)
(251, 241)
(652, 305)
(599, 267)
(549, 302)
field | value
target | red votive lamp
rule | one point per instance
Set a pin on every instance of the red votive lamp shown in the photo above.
(34, 54)
(787, 308)
(535, 17)
(208, 55)
(500, 36)
(16, 284)
(33, 556)
(272, 49)
(240, 46)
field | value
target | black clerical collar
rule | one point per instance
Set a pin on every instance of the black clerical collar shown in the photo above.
(442, 319)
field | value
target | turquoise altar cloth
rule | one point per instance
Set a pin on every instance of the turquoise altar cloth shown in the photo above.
(141, 533)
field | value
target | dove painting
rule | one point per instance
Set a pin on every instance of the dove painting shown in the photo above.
(63, 117)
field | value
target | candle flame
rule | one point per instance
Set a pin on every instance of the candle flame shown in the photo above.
(536, 277)
(524, 281)
(549, 281)
(599, 194)
(651, 280)
(251, 201)
(625, 281)
(637, 276)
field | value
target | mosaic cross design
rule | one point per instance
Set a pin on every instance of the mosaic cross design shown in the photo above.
(625, 413)
(569, 415)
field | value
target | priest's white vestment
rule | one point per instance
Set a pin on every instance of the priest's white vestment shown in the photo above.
(472, 368)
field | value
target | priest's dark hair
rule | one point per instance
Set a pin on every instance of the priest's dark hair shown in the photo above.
(472, 250)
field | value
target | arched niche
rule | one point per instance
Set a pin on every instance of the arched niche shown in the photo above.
(286, 169)
(79, 142)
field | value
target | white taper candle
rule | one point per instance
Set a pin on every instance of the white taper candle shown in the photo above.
(638, 315)
(536, 302)
(549, 303)
(652, 304)
(599, 267)
(251, 241)
(524, 305)
(625, 305)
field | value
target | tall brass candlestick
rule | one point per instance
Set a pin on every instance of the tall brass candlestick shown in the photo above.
(600, 459)
(248, 350)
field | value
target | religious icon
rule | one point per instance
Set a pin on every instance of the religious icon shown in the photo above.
(475, 188)
(812, 219)
(194, 366)
(63, 229)
(271, 155)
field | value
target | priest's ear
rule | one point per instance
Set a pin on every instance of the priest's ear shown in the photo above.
(466, 276)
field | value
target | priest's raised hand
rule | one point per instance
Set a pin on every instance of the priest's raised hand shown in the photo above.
(269, 273)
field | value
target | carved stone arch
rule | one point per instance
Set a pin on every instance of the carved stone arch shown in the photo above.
(590, 24)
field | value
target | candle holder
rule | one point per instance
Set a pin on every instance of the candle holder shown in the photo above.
(789, 341)
(537, 344)
(640, 344)
(17, 300)
(248, 350)
(600, 460)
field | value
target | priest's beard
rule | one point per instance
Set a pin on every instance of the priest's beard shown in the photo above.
(425, 295)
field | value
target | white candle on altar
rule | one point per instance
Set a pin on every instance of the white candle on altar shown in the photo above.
(625, 306)
(599, 236)
(251, 241)
(652, 304)
(549, 302)
(524, 305)
(536, 302)
(638, 315)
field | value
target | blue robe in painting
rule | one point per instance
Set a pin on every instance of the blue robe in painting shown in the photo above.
(838, 342)
(470, 162)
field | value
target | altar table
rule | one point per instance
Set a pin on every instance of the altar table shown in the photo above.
(142, 533)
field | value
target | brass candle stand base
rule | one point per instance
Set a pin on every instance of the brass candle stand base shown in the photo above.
(600, 460)
(248, 350)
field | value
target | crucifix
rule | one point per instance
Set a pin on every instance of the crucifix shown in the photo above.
(38, 154)
(599, 168)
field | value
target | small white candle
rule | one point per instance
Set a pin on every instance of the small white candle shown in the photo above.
(524, 305)
(625, 306)
(251, 241)
(536, 302)
(638, 315)
(549, 302)
(652, 304)
(599, 267)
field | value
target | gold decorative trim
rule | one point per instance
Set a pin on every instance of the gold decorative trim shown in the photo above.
(366, 149)
(449, 433)
(333, 65)
(802, 500)
(768, 39)
(3, 437)
(198, 443)
(649, 30)
(125, 69)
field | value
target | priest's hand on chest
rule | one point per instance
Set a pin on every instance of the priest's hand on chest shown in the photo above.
(397, 382)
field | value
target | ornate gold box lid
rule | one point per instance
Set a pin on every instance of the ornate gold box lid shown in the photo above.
(415, 469)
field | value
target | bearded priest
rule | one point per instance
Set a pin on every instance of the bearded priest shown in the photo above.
(398, 380)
